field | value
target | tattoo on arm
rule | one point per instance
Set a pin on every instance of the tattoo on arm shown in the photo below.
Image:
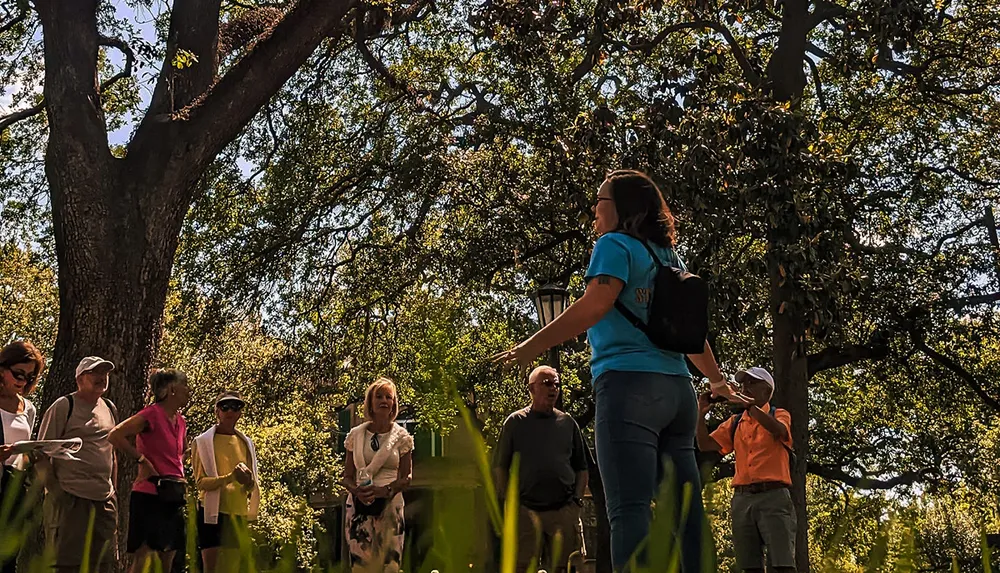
(603, 280)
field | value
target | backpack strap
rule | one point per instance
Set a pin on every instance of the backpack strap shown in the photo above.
(114, 409)
(620, 306)
(732, 431)
(111, 406)
(732, 435)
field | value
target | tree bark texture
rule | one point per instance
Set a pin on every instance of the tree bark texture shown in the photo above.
(117, 221)
(791, 376)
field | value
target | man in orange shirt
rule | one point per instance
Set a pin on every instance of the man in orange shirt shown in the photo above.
(761, 437)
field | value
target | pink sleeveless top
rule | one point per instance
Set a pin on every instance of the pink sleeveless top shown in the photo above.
(163, 445)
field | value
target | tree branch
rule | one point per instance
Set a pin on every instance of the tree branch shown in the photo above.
(838, 475)
(819, 85)
(594, 45)
(839, 356)
(964, 302)
(957, 233)
(957, 369)
(78, 132)
(38, 108)
(750, 73)
(21, 16)
(129, 61)
(961, 174)
(824, 11)
(17, 116)
(194, 28)
(212, 120)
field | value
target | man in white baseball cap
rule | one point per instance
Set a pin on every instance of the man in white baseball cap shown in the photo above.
(91, 363)
(77, 489)
(761, 437)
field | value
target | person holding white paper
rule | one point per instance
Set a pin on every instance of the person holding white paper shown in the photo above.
(84, 482)
(20, 365)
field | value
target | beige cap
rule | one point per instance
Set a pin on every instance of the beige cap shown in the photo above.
(92, 362)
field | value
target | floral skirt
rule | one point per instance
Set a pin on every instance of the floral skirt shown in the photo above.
(376, 542)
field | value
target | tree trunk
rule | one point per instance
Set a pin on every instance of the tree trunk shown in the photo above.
(115, 255)
(791, 377)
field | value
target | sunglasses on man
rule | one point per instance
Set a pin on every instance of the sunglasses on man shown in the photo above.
(550, 382)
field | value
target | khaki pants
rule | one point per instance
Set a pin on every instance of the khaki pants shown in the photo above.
(67, 518)
(536, 536)
(762, 520)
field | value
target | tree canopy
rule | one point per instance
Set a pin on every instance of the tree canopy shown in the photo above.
(376, 187)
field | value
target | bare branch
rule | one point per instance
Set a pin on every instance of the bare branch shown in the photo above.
(750, 73)
(837, 475)
(960, 173)
(125, 49)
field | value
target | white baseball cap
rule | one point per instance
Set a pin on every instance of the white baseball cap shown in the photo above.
(91, 362)
(761, 374)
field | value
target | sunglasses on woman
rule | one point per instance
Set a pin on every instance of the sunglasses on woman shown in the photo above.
(26, 377)
(231, 407)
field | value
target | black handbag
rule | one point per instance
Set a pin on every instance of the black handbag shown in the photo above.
(171, 490)
(376, 507)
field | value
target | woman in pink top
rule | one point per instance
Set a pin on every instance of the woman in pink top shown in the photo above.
(156, 505)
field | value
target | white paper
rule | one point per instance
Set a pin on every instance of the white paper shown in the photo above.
(59, 449)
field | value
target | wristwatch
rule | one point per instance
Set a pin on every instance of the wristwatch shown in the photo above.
(578, 501)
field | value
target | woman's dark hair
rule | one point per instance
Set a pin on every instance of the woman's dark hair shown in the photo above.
(642, 212)
(23, 352)
(161, 381)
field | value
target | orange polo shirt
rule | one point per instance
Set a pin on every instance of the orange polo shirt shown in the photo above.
(760, 456)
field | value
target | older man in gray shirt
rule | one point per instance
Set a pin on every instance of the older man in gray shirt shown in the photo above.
(83, 487)
(552, 475)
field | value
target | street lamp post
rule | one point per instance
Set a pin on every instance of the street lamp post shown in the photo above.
(550, 301)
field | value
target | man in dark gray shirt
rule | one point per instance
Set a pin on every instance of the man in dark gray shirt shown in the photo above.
(552, 475)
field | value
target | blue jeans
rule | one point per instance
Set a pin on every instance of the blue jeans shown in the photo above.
(643, 420)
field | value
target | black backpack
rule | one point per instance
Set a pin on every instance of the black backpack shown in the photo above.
(736, 423)
(111, 406)
(678, 311)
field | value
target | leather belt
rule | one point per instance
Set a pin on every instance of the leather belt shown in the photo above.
(761, 487)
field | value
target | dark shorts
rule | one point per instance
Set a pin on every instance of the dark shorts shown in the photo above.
(156, 525)
(67, 520)
(226, 533)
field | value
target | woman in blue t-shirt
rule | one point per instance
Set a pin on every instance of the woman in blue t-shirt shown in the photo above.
(646, 404)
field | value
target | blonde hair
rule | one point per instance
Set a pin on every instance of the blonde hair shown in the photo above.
(381, 382)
